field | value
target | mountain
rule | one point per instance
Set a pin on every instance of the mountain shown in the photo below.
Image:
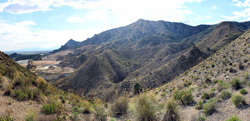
(69, 45)
(25, 96)
(214, 84)
(151, 53)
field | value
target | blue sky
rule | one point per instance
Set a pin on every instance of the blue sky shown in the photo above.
(51, 23)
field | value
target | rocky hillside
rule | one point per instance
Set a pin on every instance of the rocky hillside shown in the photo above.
(215, 89)
(25, 96)
(149, 52)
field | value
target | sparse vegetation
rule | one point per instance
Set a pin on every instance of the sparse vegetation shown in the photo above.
(238, 100)
(50, 108)
(209, 107)
(137, 88)
(234, 118)
(236, 84)
(185, 97)
(199, 105)
(243, 91)
(120, 106)
(172, 112)
(101, 115)
(6, 117)
(222, 85)
(225, 95)
(145, 109)
(207, 95)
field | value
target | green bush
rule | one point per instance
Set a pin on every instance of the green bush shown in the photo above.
(30, 118)
(187, 83)
(145, 109)
(202, 118)
(208, 80)
(236, 84)
(101, 114)
(21, 95)
(234, 118)
(199, 105)
(243, 91)
(209, 108)
(225, 95)
(184, 96)
(120, 106)
(6, 117)
(137, 88)
(172, 112)
(238, 100)
(50, 108)
(222, 85)
(207, 95)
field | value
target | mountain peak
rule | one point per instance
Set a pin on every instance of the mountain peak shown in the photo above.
(71, 42)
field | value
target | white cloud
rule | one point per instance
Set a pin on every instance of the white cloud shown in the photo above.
(240, 15)
(26, 23)
(75, 19)
(122, 12)
(214, 7)
(19, 35)
(128, 11)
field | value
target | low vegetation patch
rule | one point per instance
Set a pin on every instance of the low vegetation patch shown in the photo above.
(207, 95)
(145, 109)
(51, 108)
(120, 106)
(172, 111)
(243, 91)
(225, 95)
(222, 85)
(236, 84)
(101, 115)
(199, 105)
(6, 117)
(234, 118)
(238, 100)
(185, 97)
(209, 107)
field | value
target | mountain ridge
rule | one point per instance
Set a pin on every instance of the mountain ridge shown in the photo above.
(128, 54)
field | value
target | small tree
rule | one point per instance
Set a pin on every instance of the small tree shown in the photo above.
(137, 88)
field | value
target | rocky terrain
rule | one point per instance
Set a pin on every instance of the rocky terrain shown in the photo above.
(149, 52)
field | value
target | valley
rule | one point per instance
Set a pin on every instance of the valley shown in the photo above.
(115, 74)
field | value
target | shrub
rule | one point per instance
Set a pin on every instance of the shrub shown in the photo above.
(75, 111)
(208, 80)
(6, 117)
(87, 107)
(137, 88)
(233, 118)
(199, 105)
(101, 114)
(187, 83)
(184, 96)
(120, 106)
(207, 95)
(235, 84)
(145, 109)
(30, 118)
(238, 100)
(172, 112)
(21, 95)
(222, 85)
(209, 107)
(50, 108)
(243, 91)
(225, 95)
(202, 118)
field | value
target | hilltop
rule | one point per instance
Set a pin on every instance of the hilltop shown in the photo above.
(151, 53)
